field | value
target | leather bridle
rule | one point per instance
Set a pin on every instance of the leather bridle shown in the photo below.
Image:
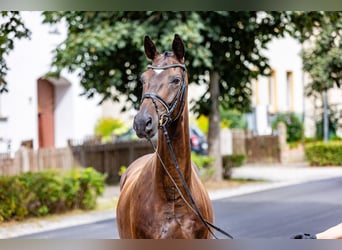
(165, 118)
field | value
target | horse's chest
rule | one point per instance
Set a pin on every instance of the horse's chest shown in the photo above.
(170, 220)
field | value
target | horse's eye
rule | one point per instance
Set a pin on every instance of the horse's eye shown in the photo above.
(175, 80)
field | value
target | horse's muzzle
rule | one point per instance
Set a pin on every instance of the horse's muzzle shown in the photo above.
(144, 125)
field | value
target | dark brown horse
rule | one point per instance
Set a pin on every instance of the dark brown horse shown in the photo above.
(150, 204)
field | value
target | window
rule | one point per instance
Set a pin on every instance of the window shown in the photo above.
(256, 93)
(289, 90)
(272, 92)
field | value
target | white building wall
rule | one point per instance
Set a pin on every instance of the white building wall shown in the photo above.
(284, 56)
(64, 114)
(86, 112)
(75, 115)
(27, 62)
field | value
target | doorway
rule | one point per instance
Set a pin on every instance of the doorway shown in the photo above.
(46, 114)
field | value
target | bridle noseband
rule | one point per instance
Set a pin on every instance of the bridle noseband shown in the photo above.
(165, 118)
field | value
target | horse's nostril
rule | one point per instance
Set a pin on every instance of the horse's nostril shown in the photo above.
(148, 124)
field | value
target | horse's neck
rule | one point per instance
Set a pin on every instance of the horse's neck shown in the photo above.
(178, 133)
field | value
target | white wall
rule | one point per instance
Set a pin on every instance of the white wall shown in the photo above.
(27, 62)
(64, 113)
(75, 115)
(86, 112)
(285, 56)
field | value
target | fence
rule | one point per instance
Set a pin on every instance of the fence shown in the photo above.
(105, 158)
(266, 148)
(109, 158)
(263, 149)
(26, 159)
(6, 164)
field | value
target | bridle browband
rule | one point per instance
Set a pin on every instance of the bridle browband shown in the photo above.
(165, 118)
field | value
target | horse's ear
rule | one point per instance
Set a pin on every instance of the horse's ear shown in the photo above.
(150, 49)
(178, 48)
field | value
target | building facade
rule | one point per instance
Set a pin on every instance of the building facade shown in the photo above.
(45, 111)
(282, 91)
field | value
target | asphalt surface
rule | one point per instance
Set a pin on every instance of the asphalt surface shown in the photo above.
(276, 213)
(279, 213)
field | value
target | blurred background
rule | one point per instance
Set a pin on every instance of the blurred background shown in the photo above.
(69, 87)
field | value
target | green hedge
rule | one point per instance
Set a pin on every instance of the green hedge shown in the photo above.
(324, 153)
(231, 161)
(47, 192)
(294, 126)
(204, 164)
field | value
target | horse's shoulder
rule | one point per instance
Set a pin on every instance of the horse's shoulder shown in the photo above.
(195, 168)
(134, 168)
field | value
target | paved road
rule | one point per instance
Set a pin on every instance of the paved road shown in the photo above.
(277, 213)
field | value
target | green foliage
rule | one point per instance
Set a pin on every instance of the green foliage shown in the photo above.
(294, 126)
(232, 118)
(107, 126)
(201, 161)
(204, 165)
(122, 170)
(48, 192)
(91, 185)
(232, 161)
(323, 61)
(334, 115)
(107, 49)
(82, 187)
(7, 203)
(11, 28)
(45, 191)
(324, 153)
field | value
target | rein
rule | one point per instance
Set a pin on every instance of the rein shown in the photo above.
(165, 119)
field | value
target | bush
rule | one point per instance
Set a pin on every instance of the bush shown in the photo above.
(106, 127)
(324, 153)
(44, 192)
(232, 118)
(91, 185)
(294, 126)
(203, 164)
(48, 192)
(231, 161)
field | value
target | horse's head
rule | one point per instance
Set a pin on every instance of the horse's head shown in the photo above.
(164, 87)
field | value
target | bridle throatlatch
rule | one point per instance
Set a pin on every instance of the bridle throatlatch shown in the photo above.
(164, 120)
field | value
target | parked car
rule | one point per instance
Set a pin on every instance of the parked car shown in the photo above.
(198, 141)
(127, 136)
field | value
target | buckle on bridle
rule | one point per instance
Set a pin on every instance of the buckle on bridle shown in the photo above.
(163, 120)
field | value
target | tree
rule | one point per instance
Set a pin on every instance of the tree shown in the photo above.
(323, 59)
(223, 52)
(11, 28)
